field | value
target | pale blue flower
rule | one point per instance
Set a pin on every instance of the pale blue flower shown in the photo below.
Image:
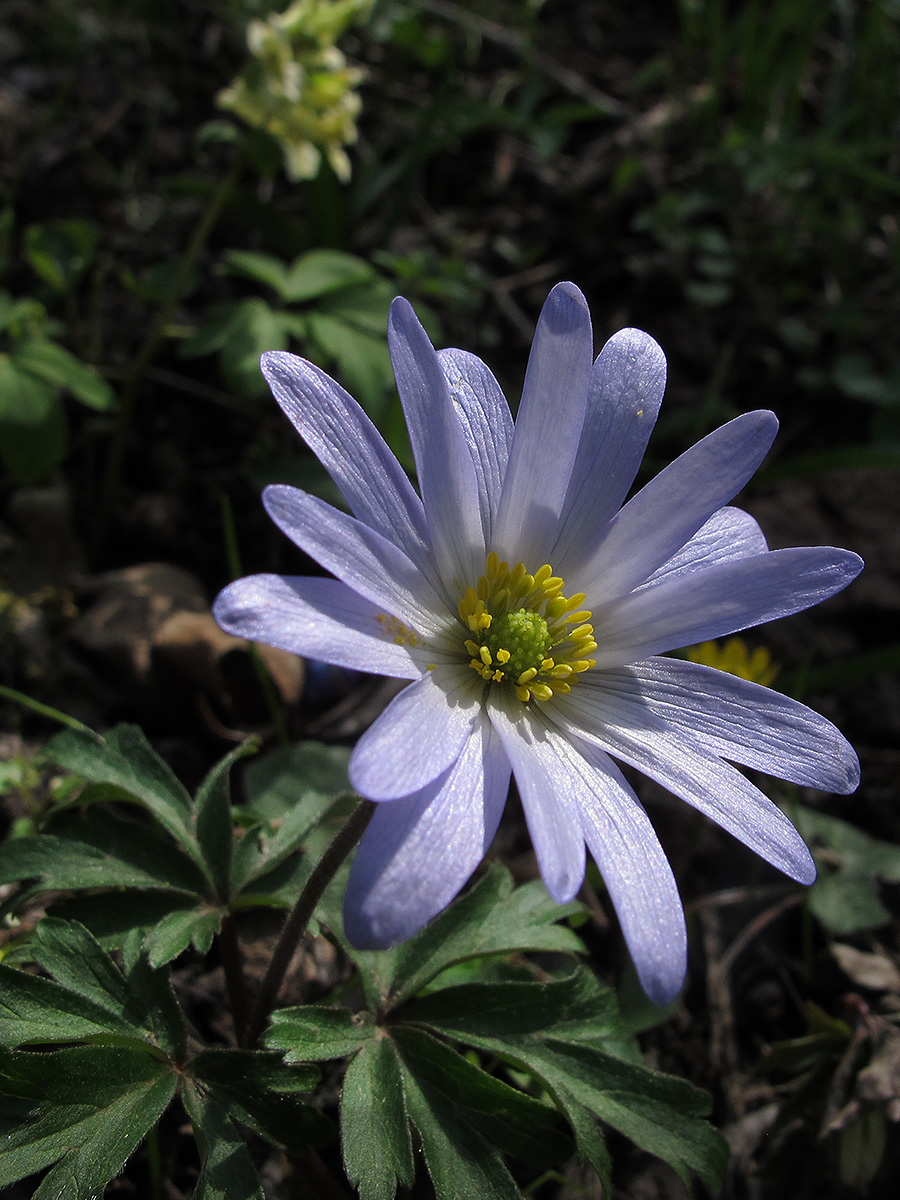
(550, 669)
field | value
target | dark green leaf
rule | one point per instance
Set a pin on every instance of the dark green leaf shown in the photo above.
(91, 996)
(261, 267)
(460, 1161)
(33, 432)
(35, 1010)
(227, 1171)
(308, 775)
(374, 1132)
(491, 918)
(311, 1033)
(580, 1065)
(215, 824)
(323, 271)
(126, 759)
(54, 365)
(183, 927)
(84, 1109)
(845, 896)
(510, 1120)
(263, 1093)
(99, 849)
(60, 251)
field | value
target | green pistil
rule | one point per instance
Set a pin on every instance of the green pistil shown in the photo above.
(524, 634)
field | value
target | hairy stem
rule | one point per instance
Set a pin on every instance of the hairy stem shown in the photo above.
(295, 925)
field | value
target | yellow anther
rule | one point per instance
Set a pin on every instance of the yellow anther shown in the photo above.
(539, 639)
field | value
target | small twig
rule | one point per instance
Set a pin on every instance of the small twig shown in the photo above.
(295, 925)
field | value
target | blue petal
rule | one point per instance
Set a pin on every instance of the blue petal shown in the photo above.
(657, 522)
(637, 737)
(418, 735)
(419, 851)
(742, 721)
(351, 449)
(444, 463)
(357, 555)
(713, 601)
(626, 388)
(548, 429)
(544, 783)
(486, 422)
(318, 618)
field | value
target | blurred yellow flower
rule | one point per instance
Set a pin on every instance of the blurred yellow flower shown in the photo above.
(298, 86)
(735, 657)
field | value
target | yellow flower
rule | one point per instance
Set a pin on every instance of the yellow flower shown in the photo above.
(298, 87)
(735, 657)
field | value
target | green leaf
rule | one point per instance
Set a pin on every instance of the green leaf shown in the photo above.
(99, 849)
(34, 1010)
(33, 431)
(361, 359)
(845, 895)
(308, 775)
(256, 327)
(491, 918)
(84, 1109)
(294, 788)
(91, 997)
(374, 1132)
(263, 1093)
(227, 1171)
(53, 364)
(515, 1123)
(311, 1033)
(322, 271)
(180, 928)
(215, 824)
(459, 1160)
(264, 268)
(125, 759)
(580, 1064)
(60, 251)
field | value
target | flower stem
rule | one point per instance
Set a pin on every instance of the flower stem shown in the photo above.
(295, 926)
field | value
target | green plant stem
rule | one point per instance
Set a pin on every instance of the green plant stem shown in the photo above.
(156, 336)
(235, 982)
(295, 925)
(46, 710)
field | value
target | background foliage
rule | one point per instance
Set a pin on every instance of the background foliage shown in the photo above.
(723, 175)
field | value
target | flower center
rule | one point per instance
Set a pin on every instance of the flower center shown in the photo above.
(524, 631)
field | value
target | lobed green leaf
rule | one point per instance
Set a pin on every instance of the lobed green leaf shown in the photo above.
(80, 1111)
